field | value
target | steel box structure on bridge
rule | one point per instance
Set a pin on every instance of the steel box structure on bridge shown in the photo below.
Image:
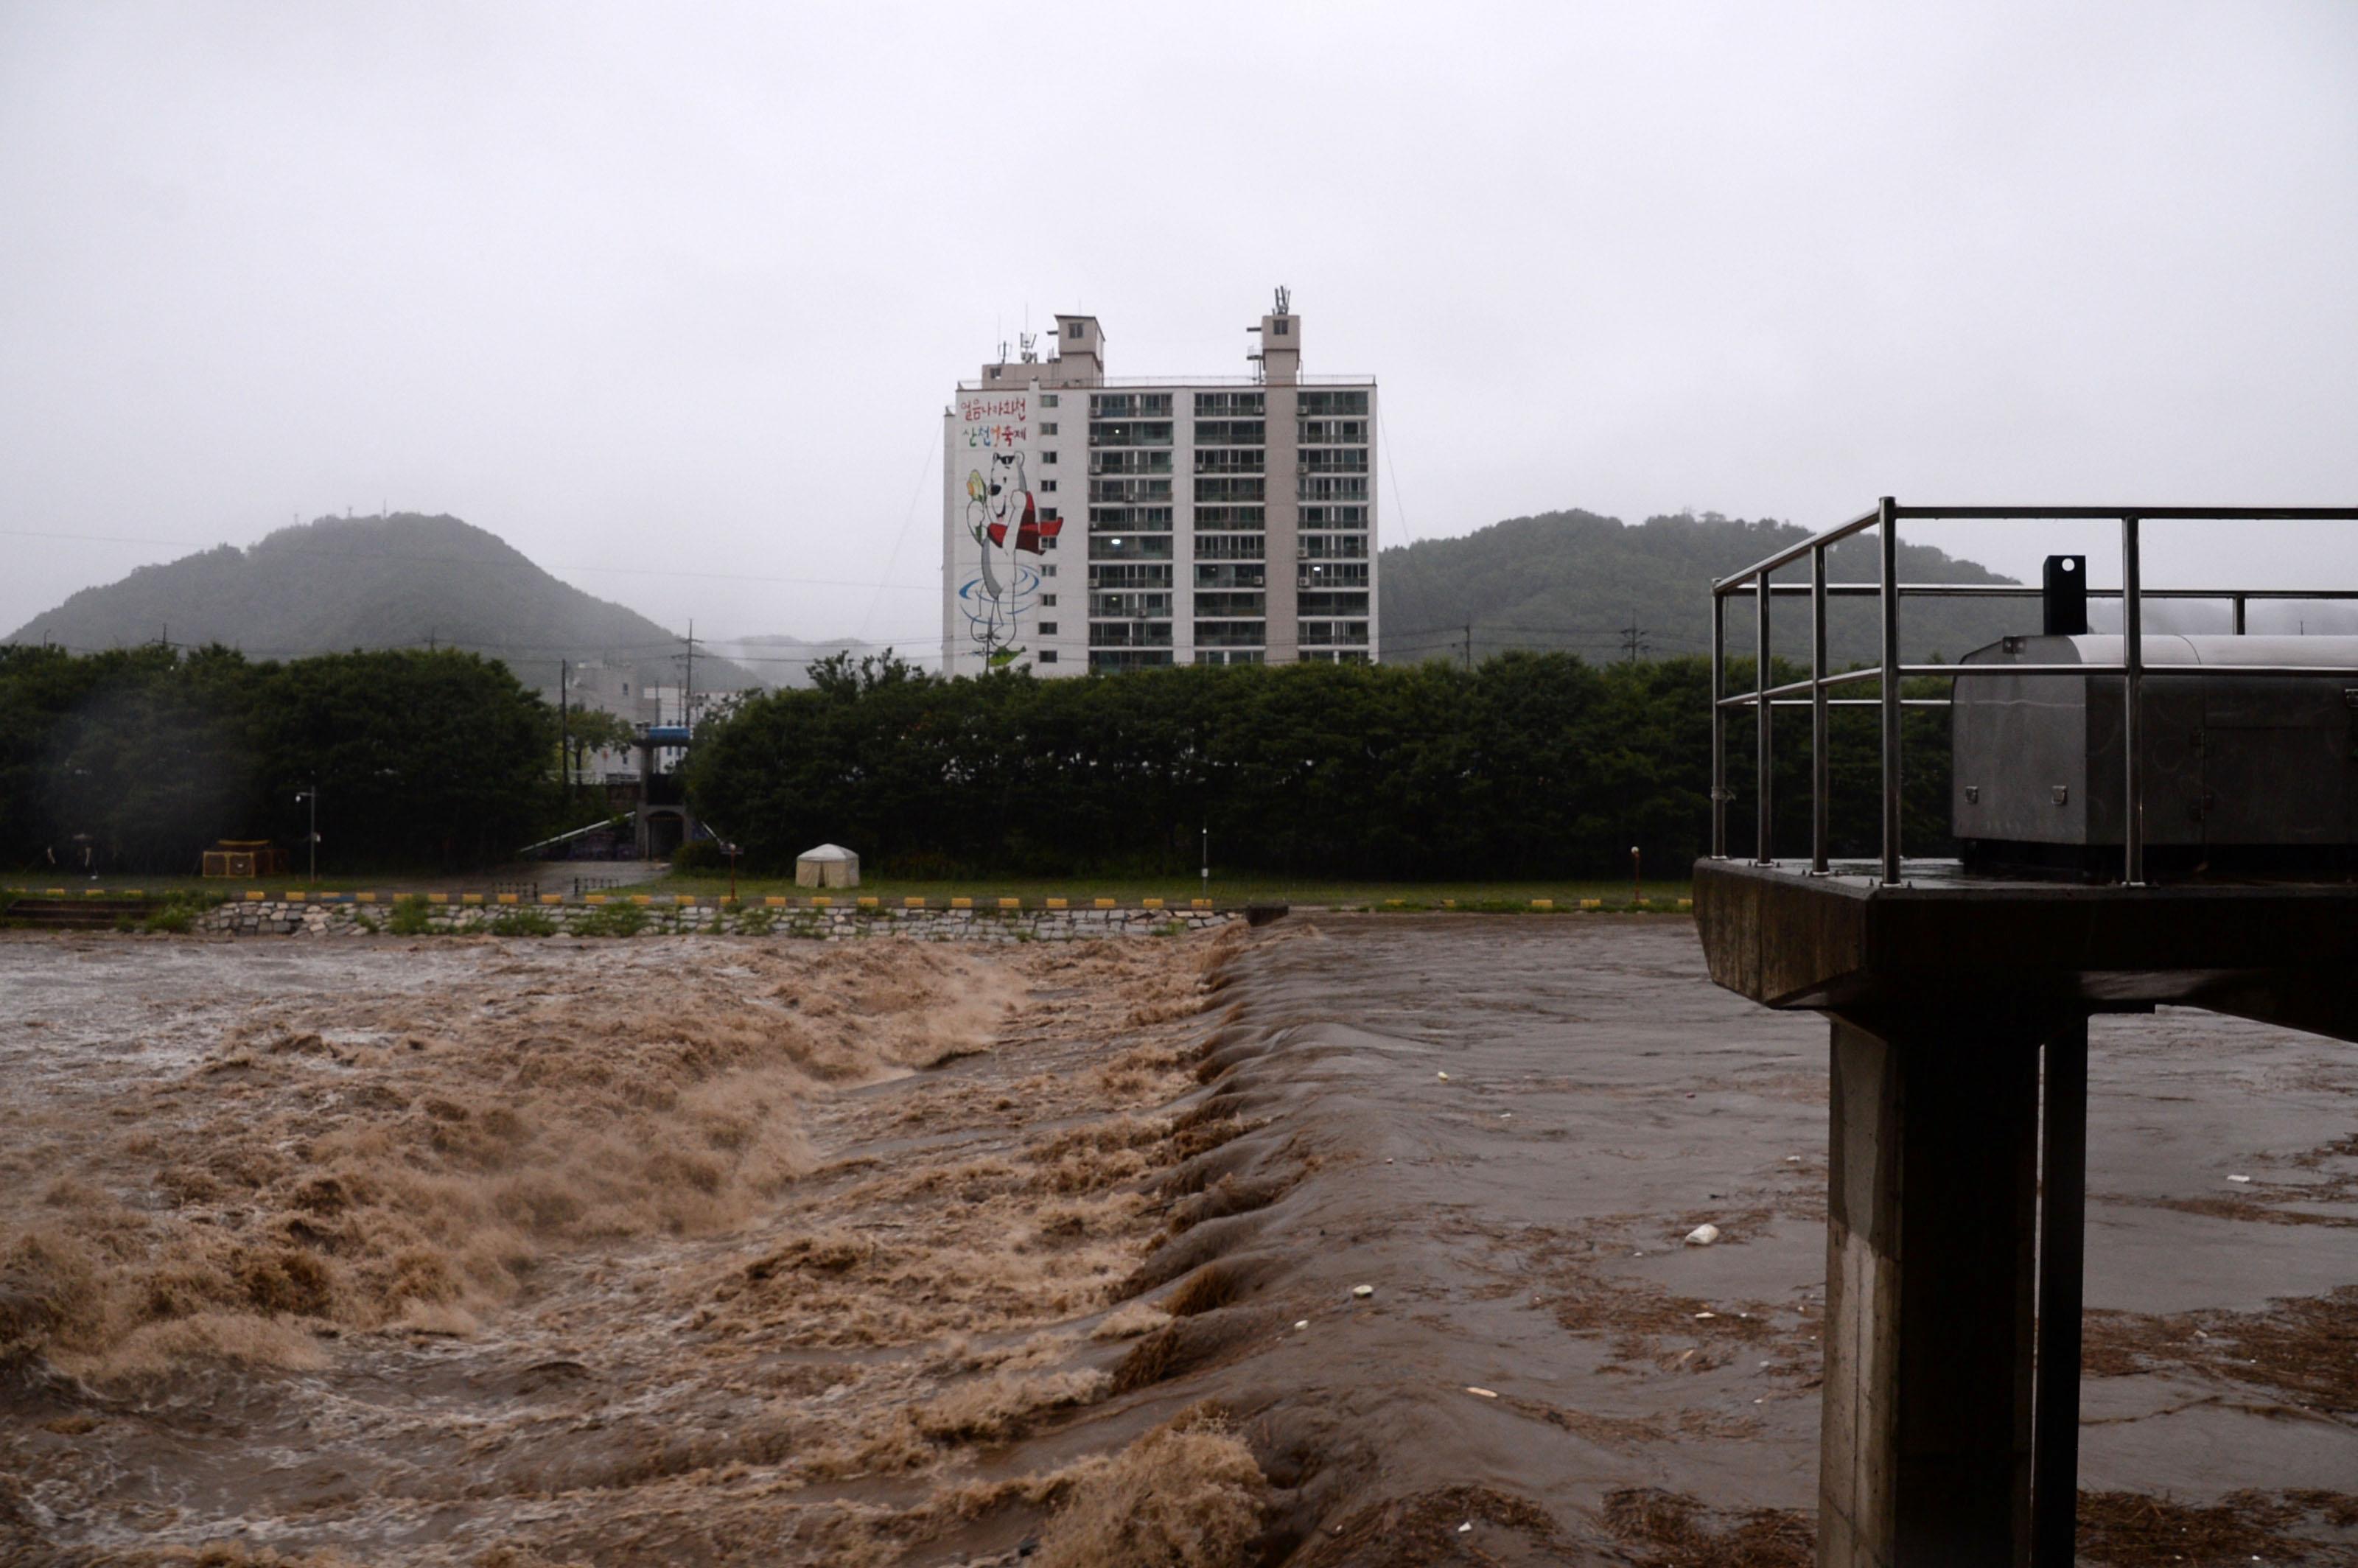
(2229, 764)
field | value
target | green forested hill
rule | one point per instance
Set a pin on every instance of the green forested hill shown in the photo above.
(1576, 580)
(402, 581)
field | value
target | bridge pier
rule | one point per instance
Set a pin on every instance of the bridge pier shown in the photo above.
(1955, 1214)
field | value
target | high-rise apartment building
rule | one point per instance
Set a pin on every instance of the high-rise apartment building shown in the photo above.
(1095, 524)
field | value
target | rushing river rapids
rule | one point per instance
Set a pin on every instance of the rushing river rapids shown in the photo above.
(713, 1250)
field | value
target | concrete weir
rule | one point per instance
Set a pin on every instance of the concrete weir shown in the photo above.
(1959, 1012)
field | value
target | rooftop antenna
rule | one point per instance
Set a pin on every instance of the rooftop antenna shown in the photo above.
(1030, 351)
(1284, 300)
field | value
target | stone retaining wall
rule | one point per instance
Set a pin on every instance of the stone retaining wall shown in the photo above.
(289, 918)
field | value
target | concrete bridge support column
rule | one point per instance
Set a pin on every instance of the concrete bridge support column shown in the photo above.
(1931, 1231)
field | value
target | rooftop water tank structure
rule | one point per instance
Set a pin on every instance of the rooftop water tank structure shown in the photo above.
(2235, 765)
(829, 866)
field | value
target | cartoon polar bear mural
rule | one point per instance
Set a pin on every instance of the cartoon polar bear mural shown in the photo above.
(1004, 522)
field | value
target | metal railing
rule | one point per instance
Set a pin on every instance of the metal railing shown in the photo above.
(1888, 590)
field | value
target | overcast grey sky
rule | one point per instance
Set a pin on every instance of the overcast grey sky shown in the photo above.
(687, 287)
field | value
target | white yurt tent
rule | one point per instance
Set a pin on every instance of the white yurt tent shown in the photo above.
(829, 866)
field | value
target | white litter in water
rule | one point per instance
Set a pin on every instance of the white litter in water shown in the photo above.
(1363, 1291)
(1469, 1525)
(1481, 1393)
(2242, 1179)
(1442, 1076)
(1304, 1324)
(1703, 1236)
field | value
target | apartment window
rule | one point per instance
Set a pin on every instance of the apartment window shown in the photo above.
(1281, 327)
(1124, 492)
(1129, 433)
(1047, 514)
(1047, 457)
(1046, 485)
(1048, 571)
(1129, 547)
(1237, 487)
(1130, 406)
(1113, 461)
(1048, 542)
(1129, 519)
(1333, 517)
(1332, 432)
(1228, 405)
(1325, 487)
(1112, 661)
(1220, 460)
(1229, 604)
(1330, 404)
(1048, 427)
(1228, 634)
(1231, 432)
(1229, 546)
(1047, 601)
(1047, 628)
(1130, 606)
(1148, 574)
(1048, 655)
(1130, 635)
(1047, 400)
(1251, 574)
(1231, 656)
(1333, 460)
(1229, 517)
(1325, 604)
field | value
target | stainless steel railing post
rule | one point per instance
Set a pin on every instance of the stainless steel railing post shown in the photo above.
(2132, 729)
(1718, 726)
(1763, 848)
(1820, 775)
(1887, 525)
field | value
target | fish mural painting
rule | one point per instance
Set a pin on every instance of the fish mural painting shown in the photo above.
(1001, 522)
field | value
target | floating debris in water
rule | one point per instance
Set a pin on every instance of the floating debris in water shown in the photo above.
(1703, 1236)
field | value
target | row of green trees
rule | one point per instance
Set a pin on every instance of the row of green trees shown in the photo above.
(144, 757)
(1529, 766)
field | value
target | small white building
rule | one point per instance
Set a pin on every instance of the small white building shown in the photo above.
(829, 866)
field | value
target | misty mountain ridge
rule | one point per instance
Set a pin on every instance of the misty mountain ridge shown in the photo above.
(1595, 585)
(406, 580)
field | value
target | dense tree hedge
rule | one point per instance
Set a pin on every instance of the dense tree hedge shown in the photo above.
(1531, 764)
(421, 759)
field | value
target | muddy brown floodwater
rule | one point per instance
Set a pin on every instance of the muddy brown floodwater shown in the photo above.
(723, 1250)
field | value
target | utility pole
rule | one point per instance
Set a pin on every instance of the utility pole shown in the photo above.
(564, 729)
(1469, 645)
(687, 682)
(311, 795)
(1207, 857)
(1633, 640)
